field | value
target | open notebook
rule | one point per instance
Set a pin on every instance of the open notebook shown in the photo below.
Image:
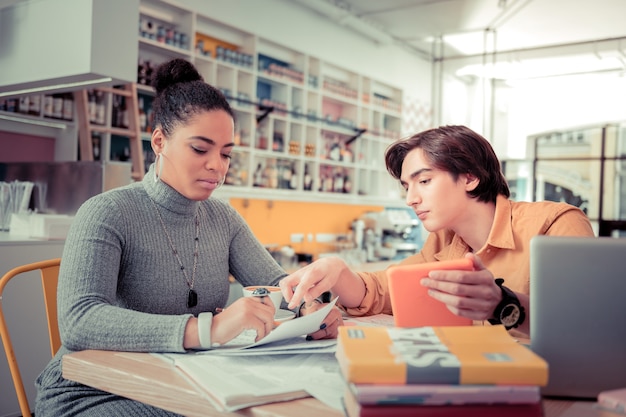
(578, 312)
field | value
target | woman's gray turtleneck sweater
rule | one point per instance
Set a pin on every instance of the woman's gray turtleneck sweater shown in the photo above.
(121, 286)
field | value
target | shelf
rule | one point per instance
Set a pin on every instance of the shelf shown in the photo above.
(36, 120)
(327, 121)
(113, 130)
(227, 192)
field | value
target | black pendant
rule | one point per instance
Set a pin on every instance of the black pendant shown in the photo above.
(192, 298)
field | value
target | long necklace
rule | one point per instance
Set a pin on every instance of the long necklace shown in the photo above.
(192, 296)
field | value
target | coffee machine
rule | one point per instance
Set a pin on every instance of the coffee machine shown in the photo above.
(391, 234)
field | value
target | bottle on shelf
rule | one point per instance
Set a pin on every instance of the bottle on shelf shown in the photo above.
(91, 103)
(346, 154)
(47, 105)
(116, 111)
(142, 115)
(125, 155)
(261, 138)
(11, 105)
(96, 147)
(278, 143)
(307, 180)
(144, 72)
(34, 105)
(125, 119)
(141, 73)
(326, 179)
(338, 180)
(68, 106)
(57, 106)
(258, 176)
(293, 180)
(271, 174)
(148, 128)
(100, 108)
(23, 105)
(334, 153)
(285, 175)
(347, 184)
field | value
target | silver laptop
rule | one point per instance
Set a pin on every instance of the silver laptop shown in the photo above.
(578, 313)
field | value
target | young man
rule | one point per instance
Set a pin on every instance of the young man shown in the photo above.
(454, 183)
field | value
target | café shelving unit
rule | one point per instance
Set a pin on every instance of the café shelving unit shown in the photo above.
(306, 129)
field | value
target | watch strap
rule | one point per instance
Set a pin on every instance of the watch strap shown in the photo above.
(508, 298)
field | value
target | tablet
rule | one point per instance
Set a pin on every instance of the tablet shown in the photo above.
(411, 304)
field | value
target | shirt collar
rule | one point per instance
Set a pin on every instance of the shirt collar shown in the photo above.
(501, 233)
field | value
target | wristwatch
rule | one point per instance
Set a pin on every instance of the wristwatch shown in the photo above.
(509, 312)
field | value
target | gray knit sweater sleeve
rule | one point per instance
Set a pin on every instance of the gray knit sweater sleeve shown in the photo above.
(121, 286)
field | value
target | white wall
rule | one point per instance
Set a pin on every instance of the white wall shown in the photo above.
(291, 25)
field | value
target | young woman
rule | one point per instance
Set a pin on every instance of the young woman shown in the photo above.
(454, 183)
(145, 266)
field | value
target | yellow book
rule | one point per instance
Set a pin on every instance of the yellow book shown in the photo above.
(437, 355)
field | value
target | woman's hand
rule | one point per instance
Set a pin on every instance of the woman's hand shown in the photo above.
(246, 313)
(471, 294)
(329, 329)
(325, 274)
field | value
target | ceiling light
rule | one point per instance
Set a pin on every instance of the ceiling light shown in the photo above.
(538, 68)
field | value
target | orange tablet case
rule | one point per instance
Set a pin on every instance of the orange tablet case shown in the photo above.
(411, 304)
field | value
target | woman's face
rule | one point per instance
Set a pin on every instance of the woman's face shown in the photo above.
(438, 200)
(197, 155)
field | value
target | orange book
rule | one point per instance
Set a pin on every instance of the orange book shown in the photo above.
(411, 304)
(437, 355)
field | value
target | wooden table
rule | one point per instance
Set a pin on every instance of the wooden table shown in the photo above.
(149, 379)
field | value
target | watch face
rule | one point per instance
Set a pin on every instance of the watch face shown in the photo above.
(510, 315)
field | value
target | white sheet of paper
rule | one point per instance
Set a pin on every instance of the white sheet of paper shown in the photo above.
(283, 347)
(292, 332)
(298, 326)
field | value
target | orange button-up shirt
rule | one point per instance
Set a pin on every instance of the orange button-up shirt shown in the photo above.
(506, 253)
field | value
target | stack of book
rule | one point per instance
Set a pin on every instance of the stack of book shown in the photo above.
(439, 371)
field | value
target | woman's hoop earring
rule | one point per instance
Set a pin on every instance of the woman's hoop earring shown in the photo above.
(158, 168)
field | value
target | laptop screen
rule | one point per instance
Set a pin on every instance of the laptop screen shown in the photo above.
(578, 312)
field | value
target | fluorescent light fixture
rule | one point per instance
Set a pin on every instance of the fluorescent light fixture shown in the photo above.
(57, 87)
(26, 120)
(538, 68)
(468, 43)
